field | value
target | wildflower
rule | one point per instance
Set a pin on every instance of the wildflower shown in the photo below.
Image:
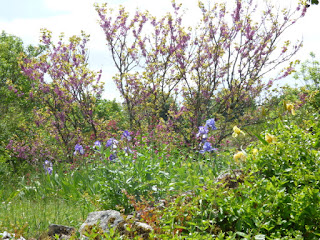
(97, 144)
(207, 148)
(211, 123)
(255, 151)
(240, 156)
(47, 165)
(113, 156)
(237, 131)
(126, 135)
(290, 108)
(78, 148)
(203, 132)
(112, 142)
(270, 138)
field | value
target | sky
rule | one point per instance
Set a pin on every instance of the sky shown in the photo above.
(25, 18)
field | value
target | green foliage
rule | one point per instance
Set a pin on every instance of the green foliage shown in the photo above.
(310, 72)
(14, 111)
(313, 2)
(279, 196)
(30, 218)
(108, 111)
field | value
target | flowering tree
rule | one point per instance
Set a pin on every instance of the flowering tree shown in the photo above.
(14, 112)
(66, 92)
(216, 68)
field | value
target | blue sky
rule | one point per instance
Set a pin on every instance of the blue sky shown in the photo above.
(25, 18)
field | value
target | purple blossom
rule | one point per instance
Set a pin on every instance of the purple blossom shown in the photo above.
(47, 165)
(211, 123)
(112, 142)
(126, 135)
(97, 144)
(207, 148)
(113, 156)
(203, 132)
(78, 148)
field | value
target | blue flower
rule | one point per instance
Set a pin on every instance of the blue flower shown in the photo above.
(78, 148)
(112, 142)
(126, 135)
(47, 165)
(211, 123)
(207, 148)
(113, 156)
(97, 144)
(203, 132)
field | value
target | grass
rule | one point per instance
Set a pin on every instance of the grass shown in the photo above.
(31, 218)
(32, 203)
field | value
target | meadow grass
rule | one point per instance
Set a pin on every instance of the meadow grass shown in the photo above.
(30, 204)
(31, 218)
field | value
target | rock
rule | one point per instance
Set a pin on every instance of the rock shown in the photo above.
(230, 178)
(106, 219)
(142, 228)
(102, 221)
(64, 232)
(136, 229)
(6, 235)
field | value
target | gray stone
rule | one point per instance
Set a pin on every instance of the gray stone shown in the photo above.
(6, 235)
(142, 228)
(105, 219)
(64, 232)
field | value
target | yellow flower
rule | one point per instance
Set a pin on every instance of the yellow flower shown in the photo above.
(237, 131)
(270, 138)
(255, 152)
(239, 156)
(290, 108)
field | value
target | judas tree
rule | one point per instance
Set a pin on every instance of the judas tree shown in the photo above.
(215, 69)
(66, 91)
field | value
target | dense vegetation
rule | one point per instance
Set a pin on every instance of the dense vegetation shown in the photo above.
(213, 160)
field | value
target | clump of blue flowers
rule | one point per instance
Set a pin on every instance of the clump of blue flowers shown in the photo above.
(47, 166)
(203, 133)
(112, 144)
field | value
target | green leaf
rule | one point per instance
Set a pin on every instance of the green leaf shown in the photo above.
(261, 139)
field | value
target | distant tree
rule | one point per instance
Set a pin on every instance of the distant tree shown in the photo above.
(313, 2)
(15, 108)
(310, 72)
(11, 47)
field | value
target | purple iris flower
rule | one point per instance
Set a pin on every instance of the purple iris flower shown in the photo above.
(78, 148)
(207, 148)
(203, 132)
(211, 123)
(126, 135)
(47, 165)
(113, 156)
(97, 144)
(112, 142)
